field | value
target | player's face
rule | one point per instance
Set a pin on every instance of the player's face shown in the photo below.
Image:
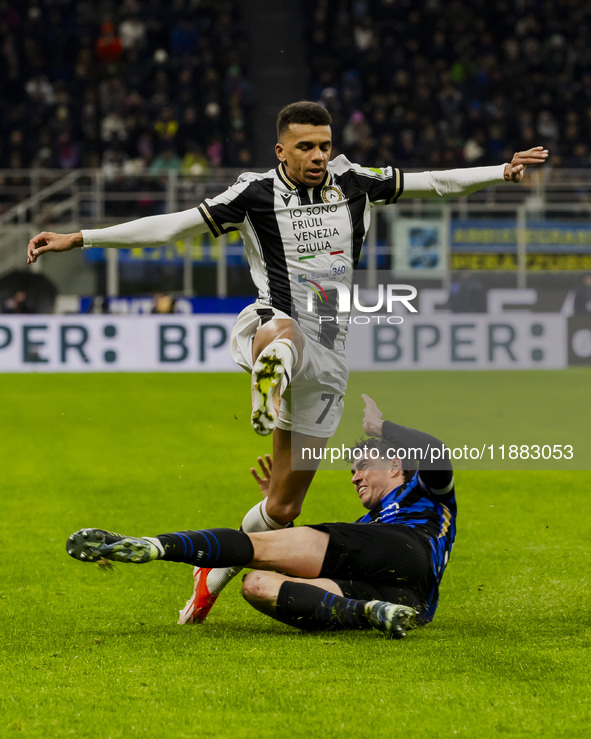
(372, 481)
(305, 151)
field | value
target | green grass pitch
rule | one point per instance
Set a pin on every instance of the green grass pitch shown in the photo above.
(89, 651)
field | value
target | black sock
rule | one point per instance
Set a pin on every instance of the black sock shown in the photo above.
(208, 547)
(311, 608)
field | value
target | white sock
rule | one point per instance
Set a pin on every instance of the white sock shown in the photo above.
(255, 521)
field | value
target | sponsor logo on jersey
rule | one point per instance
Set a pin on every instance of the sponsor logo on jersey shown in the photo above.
(286, 197)
(336, 271)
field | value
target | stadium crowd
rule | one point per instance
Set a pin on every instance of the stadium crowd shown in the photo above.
(164, 84)
(129, 85)
(452, 83)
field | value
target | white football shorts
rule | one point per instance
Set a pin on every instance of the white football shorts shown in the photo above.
(313, 403)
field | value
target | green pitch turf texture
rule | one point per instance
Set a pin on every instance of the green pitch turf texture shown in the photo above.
(88, 651)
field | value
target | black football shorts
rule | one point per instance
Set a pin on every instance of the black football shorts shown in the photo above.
(378, 562)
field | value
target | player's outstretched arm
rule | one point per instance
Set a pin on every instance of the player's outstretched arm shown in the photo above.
(453, 183)
(143, 232)
(434, 466)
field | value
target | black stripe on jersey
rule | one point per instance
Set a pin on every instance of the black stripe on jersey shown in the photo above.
(357, 209)
(317, 196)
(265, 314)
(264, 223)
(304, 196)
(377, 189)
(233, 212)
(357, 200)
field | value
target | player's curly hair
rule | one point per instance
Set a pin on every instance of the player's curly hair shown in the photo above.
(304, 112)
(409, 466)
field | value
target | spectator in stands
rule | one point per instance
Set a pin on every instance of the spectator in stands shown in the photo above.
(67, 151)
(166, 127)
(132, 30)
(108, 46)
(18, 303)
(467, 294)
(163, 304)
(190, 129)
(484, 74)
(94, 78)
(165, 161)
(194, 162)
(464, 80)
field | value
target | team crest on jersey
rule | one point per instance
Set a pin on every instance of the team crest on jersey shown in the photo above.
(331, 194)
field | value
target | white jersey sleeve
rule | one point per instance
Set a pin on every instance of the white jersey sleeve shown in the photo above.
(150, 231)
(452, 182)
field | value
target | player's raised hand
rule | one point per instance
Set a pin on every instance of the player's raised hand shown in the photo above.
(49, 241)
(515, 170)
(372, 417)
(266, 466)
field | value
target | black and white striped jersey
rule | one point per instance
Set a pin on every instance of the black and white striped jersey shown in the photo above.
(302, 243)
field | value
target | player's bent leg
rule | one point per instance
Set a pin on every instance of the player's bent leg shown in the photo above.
(307, 601)
(288, 487)
(298, 552)
(318, 604)
(277, 354)
(261, 589)
(283, 503)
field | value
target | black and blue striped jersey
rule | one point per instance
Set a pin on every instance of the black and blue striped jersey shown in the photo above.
(426, 503)
(432, 516)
